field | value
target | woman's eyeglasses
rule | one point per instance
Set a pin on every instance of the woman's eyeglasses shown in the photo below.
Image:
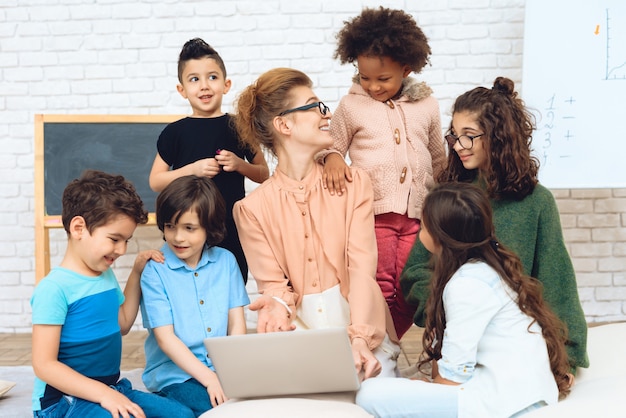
(321, 106)
(466, 141)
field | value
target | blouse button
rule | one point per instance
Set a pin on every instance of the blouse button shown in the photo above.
(403, 175)
(208, 329)
(314, 284)
(310, 259)
(306, 235)
(303, 213)
(396, 136)
(195, 274)
(301, 187)
(201, 302)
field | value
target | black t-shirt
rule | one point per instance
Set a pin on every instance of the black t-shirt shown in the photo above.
(191, 139)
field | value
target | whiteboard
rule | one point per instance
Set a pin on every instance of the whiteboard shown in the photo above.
(574, 81)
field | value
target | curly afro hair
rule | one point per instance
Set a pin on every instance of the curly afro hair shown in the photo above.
(383, 32)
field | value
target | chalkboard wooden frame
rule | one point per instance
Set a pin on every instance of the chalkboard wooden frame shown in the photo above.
(44, 179)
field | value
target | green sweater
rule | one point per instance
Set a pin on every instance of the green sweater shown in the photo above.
(532, 229)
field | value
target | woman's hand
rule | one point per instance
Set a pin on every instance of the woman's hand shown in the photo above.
(367, 365)
(273, 316)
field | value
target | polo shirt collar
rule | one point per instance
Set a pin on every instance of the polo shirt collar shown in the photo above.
(173, 262)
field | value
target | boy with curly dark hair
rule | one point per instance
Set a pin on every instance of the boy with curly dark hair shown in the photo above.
(390, 125)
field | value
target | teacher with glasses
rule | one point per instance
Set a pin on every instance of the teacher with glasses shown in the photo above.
(313, 255)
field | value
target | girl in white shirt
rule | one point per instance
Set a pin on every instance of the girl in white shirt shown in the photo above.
(496, 348)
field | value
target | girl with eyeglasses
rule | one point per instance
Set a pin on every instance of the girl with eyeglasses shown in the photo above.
(313, 256)
(494, 347)
(489, 141)
(389, 124)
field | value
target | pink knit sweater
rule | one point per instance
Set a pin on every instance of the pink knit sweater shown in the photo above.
(398, 143)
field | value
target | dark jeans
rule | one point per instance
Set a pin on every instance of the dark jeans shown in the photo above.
(190, 393)
(153, 406)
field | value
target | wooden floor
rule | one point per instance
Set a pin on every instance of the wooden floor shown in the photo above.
(15, 349)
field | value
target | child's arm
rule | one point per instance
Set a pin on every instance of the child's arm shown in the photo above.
(437, 377)
(236, 321)
(47, 367)
(180, 354)
(256, 170)
(336, 173)
(161, 175)
(132, 291)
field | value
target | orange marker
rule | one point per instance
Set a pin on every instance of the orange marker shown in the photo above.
(597, 29)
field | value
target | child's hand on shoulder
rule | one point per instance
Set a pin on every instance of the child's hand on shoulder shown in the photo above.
(207, 167)
(229, 161)
(336, 173)
(144, 256)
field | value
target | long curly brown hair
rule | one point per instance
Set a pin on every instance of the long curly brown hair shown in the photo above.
(459, 219)
(383, 32)
(507, 126)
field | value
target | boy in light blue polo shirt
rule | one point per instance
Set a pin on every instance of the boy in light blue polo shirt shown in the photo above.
(197, 293)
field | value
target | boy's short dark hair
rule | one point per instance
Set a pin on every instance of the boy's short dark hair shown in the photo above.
(98, 197)
(194, 193)
(195, 49)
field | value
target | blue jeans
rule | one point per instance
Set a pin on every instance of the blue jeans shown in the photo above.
(190, 393)
(153, 406)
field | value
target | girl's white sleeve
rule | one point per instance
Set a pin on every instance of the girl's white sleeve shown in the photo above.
(470, 304)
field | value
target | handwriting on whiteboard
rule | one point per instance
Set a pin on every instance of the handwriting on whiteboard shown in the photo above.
(557, 128)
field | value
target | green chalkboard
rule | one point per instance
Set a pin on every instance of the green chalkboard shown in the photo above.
(116, 148)
(126, 147)
(66, 145)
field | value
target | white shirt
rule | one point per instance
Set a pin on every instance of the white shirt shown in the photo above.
(503, 367)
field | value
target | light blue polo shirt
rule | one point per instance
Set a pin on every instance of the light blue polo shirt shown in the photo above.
(195, 301)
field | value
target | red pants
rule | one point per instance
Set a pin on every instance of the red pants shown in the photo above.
(395, 236)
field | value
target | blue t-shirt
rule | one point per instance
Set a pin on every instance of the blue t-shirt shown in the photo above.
(87, 308)
(195, 301)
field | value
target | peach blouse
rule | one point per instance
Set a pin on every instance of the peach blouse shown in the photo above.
(300, 240)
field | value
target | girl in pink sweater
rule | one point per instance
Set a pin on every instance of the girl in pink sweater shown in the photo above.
(389, 123)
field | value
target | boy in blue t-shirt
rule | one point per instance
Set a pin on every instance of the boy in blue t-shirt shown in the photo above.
(80, 312)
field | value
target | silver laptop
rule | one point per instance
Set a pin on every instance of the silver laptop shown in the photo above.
(284, 363)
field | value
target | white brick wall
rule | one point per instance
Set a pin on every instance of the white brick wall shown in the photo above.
(119, 56)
